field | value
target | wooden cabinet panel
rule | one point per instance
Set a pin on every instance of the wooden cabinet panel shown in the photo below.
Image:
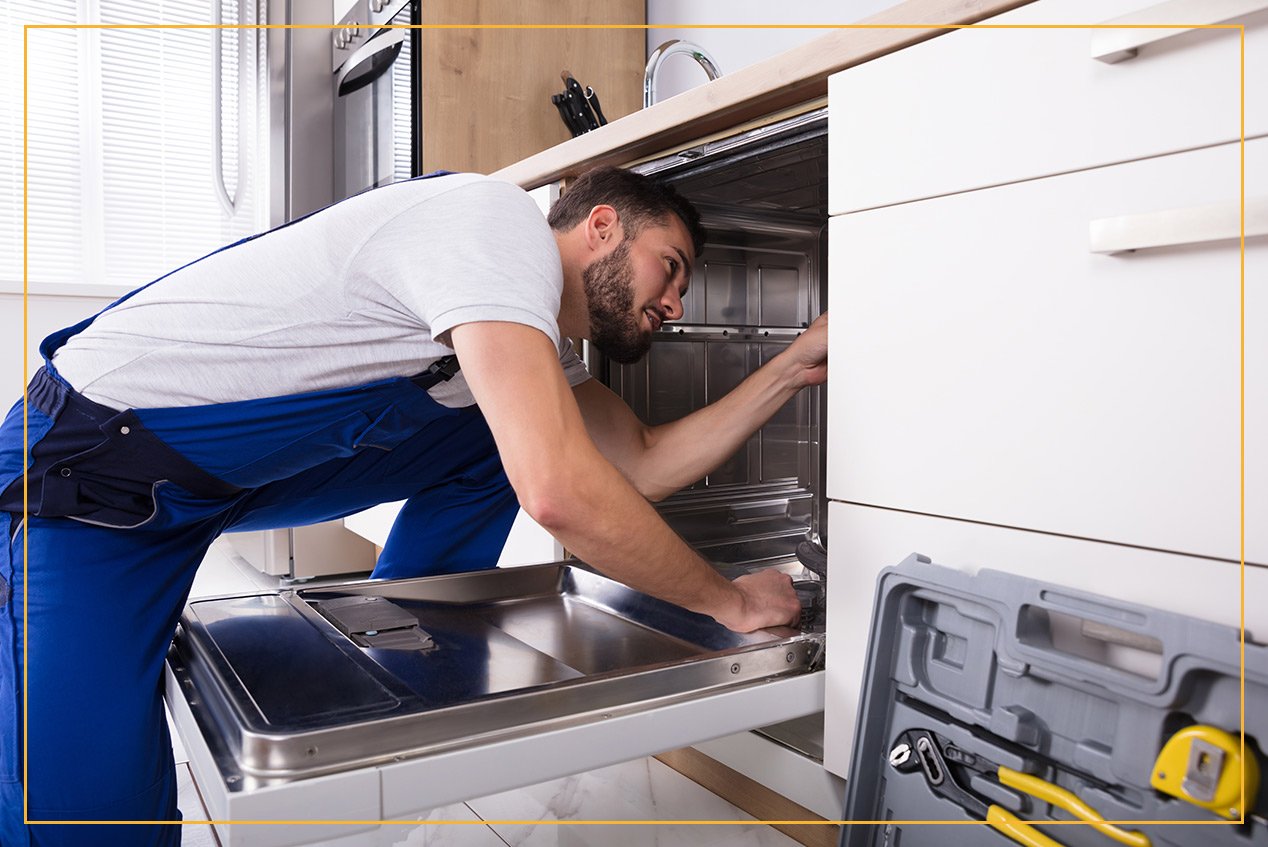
(983, 107)
(987, 365)
(486, 92)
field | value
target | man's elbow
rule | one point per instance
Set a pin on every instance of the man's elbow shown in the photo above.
(653, 493)
(551, 504)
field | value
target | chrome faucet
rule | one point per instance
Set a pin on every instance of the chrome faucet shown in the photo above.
(663, 52)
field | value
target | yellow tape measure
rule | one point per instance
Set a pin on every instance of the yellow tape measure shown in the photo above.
(1203, 765)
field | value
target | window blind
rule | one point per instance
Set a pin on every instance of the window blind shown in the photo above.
(402, 127)
(121, 139)
(55, 185)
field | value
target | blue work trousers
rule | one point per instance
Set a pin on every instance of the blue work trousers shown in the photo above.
(113, 540)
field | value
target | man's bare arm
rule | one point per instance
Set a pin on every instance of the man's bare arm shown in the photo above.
(567, 486)
(663, 459)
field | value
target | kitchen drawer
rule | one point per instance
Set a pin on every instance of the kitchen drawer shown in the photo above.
(987, 365)
(867, 540)
(982, 107)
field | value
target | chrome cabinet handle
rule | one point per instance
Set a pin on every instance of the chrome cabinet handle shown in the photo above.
(1174, 227)
(1115, 45)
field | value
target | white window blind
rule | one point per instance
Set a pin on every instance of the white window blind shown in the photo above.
(121, 139)
(402, 125)
(52, 136)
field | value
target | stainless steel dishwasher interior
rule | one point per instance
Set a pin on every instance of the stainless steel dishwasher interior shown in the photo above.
(760, 281)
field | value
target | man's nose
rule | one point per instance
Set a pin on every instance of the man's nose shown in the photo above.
(672, 304)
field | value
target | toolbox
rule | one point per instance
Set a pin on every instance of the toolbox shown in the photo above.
(995, 698)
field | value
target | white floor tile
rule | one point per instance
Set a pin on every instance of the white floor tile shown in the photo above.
(192, 809)
(643, 790)
(446, 835)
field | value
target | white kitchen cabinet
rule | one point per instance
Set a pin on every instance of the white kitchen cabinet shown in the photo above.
(1008, 391)
(987, 365)
(866, 540)
(982, 107)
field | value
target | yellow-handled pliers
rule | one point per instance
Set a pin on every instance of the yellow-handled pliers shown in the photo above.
(939, 760)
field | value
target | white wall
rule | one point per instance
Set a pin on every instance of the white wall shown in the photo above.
(733, 49)
(45, 314)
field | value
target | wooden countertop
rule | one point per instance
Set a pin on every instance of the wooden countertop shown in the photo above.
(780, 83)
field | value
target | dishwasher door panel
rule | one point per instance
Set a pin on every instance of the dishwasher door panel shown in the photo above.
(447, 688)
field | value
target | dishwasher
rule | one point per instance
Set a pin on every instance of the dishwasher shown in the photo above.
(353, 703)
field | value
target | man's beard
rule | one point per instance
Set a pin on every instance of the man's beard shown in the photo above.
(614, 327)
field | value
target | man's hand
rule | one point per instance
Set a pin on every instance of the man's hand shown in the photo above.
(810, 353)
(768, 599)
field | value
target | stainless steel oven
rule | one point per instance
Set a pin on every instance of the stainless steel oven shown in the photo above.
(341, 114)
(375, 111)
(340, 119)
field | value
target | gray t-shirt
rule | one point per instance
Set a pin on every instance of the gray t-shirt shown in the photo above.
(364, 290)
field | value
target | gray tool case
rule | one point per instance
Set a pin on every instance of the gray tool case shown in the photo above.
(993, 669)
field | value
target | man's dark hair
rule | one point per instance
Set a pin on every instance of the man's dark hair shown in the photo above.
(639, 201)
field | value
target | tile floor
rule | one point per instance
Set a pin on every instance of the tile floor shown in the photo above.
(643, 789)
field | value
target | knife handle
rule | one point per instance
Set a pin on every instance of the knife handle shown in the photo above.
(592, 97)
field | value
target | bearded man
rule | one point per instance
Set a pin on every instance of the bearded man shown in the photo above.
(410, 343)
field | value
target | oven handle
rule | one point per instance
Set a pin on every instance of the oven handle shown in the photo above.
(370, 52)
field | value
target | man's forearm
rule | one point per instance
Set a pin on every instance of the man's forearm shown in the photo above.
(607, 523)
(685, 450)
(610, 526)
(664, 459)
(565, 483)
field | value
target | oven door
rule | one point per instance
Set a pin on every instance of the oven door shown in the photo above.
(374, 103)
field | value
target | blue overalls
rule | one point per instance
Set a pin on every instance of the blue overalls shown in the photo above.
(122, 509)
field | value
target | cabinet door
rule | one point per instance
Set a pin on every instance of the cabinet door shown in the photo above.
(486, 86)
(982, 107)
(867, 540)
(986, 364)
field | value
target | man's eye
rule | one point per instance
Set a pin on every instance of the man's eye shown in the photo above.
(673, 266)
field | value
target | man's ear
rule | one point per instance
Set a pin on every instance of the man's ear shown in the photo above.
(603, 228)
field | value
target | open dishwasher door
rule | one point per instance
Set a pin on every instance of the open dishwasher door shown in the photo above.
(380, 700)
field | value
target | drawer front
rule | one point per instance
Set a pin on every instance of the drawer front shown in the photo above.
(987, 365)
(982, 107)
(865, 540)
